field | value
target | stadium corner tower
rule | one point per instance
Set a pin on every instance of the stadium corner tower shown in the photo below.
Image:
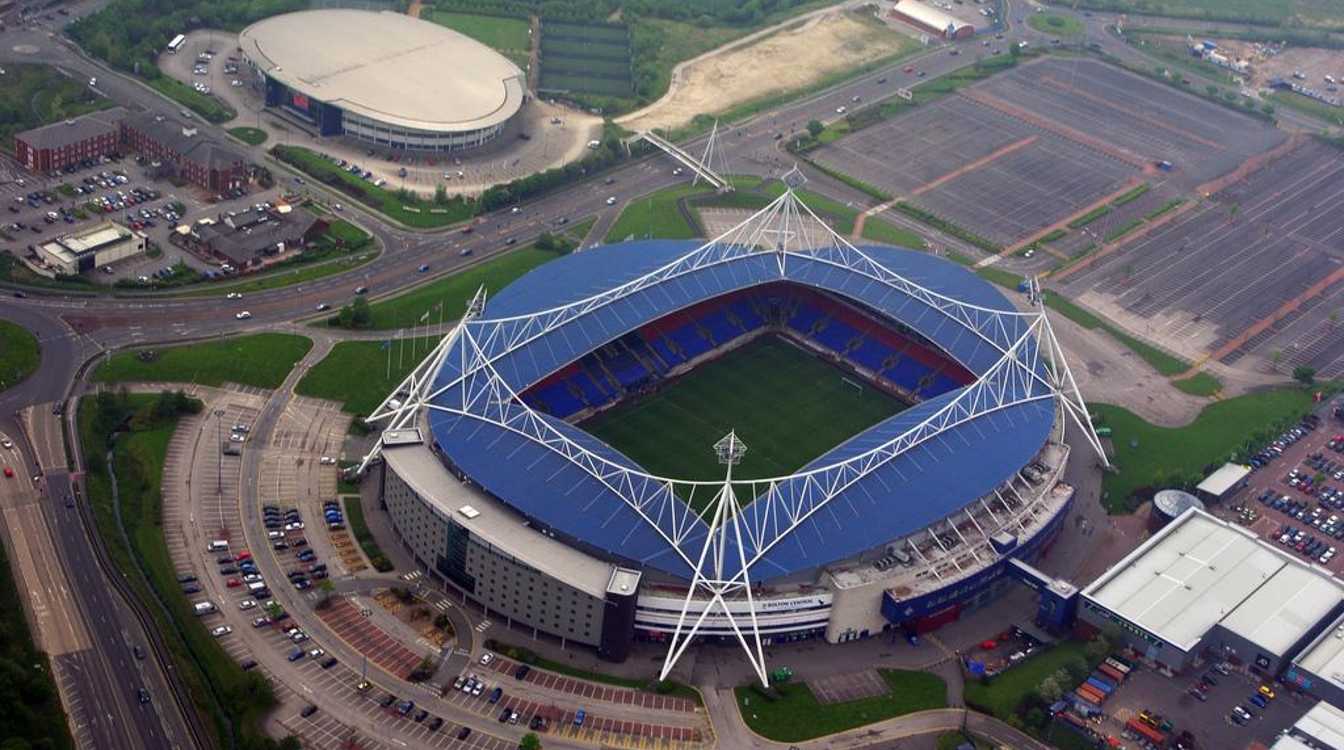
(498, 490)
(384, 78)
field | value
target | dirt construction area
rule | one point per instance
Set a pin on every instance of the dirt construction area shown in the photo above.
(789, 60)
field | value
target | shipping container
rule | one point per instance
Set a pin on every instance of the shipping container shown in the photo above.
(1159, 739)
(1114, 674)
(1092, 694)
(1103, 685)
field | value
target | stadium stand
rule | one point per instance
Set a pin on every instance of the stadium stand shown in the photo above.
(892, 358)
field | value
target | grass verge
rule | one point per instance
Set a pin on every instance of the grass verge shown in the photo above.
(360, 374)
(1055, 23)
(207, 106)
(354, 513)
(248, 135)
(1002, 694)
(797, 716)
(1199, 384)
(262, 360)
(34, 95)
(1149, 457)
(19, 354)
(402, 206)
(33, 717)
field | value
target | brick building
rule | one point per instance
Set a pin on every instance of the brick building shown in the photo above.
(179, 148)
(52, 147)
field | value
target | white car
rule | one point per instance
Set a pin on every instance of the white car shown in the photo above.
(233, 295)
(611, 201)
(840, 110)
(9, 445)
(328, 461)
(247, 604)
(486, 658)
(221, 631)
(317, 653)
(250, 577)
(244, 315)
(236, 438)
(296, 526)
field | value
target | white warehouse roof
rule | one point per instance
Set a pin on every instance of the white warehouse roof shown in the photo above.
(1224, 479)
(388, 67)
(1200, 571)
(1321, 727)
(1324, 658)
(928, 15)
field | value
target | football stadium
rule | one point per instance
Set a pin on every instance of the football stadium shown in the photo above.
(769, 436)
(384, 78)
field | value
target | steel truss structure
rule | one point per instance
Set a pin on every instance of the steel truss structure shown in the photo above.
(721, 547)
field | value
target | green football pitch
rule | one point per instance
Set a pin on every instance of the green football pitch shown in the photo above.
(788, 406)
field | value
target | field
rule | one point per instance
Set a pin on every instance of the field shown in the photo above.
(409, 209)
(360, 374)
(1149, 457)
(34, 95)
(261, 360)
(798, 716)
(497, 32)
(19, 354)
(586, 59)
(796, 408)
(791, 60)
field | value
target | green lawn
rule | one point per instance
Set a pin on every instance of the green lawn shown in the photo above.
(1309, 106)
(878, 230)
(34, 95)
(360, 374)
(233, 701)
(657, 215)
(250, 136)
(498, 32)
(409, 209)
(1270, 12)
(1199, 384)
(19, 354)
(1055, 23)
(1005, 692)
(208, 106)
(1148, 456)
(262, 360)
(451, 294)
(797, 716)
(33, 716)
(824, 408)
(284, 276)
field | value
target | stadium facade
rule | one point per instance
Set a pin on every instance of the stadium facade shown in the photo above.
(384, 78)
(902, 527)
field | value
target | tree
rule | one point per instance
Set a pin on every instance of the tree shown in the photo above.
(1050, 689)
(327, 588)
(1304, 374)
(1276, 358)
(530, 741)
(814, 128)
(440, 194)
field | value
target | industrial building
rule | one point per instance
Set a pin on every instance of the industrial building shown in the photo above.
(1319, 669)
(90, 248)
(53, 147)
(383, 78)
(928, 18)
(1320, 728)
(248, 239)
(1223, 483)
(1206, 588)
(181, 151)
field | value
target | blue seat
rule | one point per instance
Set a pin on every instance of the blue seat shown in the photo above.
(907, 373)
(665, 351)
(690, 341)
(870, 354)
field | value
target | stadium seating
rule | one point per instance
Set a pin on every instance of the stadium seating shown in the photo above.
(641, 358)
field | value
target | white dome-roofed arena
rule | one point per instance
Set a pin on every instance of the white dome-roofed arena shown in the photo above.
(384, 78)
(492, 479)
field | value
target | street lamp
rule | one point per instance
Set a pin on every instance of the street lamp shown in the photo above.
(219, 452)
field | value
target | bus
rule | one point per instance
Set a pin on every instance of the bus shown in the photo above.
(177, 43)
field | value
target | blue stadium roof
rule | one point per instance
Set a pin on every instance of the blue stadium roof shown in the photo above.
(903, 495)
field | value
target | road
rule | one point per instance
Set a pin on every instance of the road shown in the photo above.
(73, 328)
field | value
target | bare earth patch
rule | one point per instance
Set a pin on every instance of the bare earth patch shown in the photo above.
(789, 60)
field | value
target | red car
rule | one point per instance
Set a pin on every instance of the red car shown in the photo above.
(9, 473)
(233, 583)
(244, 555)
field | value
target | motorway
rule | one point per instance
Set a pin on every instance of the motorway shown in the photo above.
(100, 674)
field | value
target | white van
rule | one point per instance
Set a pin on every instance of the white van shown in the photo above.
(218, 545)
(203, 608)
(256, 586)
